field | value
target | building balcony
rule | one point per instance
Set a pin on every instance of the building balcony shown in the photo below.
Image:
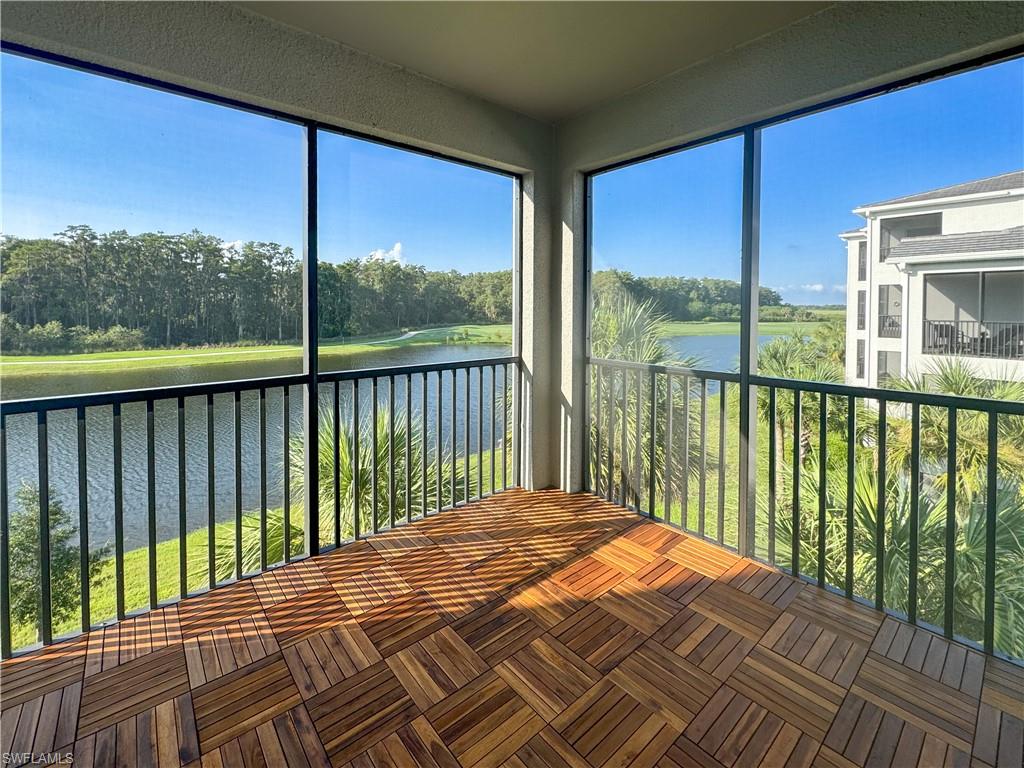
(890, 326)
(971, 338)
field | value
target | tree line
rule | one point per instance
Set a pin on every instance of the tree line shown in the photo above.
(81, 290)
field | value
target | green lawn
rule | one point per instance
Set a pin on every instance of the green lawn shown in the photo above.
(96, 362)
(784, 327)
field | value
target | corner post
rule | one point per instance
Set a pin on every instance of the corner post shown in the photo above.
(749, 295)
(310, 345)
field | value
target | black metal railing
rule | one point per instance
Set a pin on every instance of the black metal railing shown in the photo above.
(890, 326)
(395, 444)
(665, 441)
(973, 338)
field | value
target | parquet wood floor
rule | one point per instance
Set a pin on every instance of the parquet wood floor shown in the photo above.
(527, 630)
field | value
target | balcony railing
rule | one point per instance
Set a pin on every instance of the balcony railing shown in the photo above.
(668, 442)
(890, 326)
(971, 338)
(394, 445)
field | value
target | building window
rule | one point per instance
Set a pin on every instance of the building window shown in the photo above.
(862, 261)
(889, 364)
(862, 307)
(860, 358)
(890, 311)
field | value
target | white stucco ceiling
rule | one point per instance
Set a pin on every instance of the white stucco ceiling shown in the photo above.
(549, 60)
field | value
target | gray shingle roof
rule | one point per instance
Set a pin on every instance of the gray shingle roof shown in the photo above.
(968, 242)
(1011, 180)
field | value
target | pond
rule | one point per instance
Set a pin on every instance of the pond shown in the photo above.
(716, 353)
(63, 445)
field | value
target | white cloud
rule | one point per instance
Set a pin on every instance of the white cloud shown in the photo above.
(813, 287)
(392, 254)
(839, 288)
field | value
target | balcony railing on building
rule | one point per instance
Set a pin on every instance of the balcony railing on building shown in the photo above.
(973, 338)
(890, 326)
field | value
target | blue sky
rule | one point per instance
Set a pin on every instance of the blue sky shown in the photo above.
(81, 149)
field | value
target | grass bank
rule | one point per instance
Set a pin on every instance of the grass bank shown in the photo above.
(781, 328)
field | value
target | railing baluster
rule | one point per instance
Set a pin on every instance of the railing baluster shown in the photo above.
(454, 432)
(336, 459)
(851, 458)
(880, 508)
(795, 537)
(118, 519)
(638, 454)
(822, 490)
(505, 437)
(439, 480)
(915, 512)
(991, 492)
(263, 479)
(598, 457)
(375, 448)
(702, 480)
(610, 482)
(423, 443)
(624, 457)
(238, 484)
(669, 439)
(408, 448)
(651, 445)
(45, 607)
(357, 478)
(723, 415)
(5, 543)
(465, 442)
(493, 400)
(517, 423)
(286, 461)
(772, 474)
(950, 549)
(479, 430)
(391, 451)
(151, 502)
(211, 496)
(83, 517)
(684, 487)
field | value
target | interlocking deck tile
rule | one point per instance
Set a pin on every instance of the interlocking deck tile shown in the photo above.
(225, 649)
(401, 622)
(229, 706)
(547, 750)
(287, 740)
(436, 667)
(934, 657)
(546, 601)
(654, 537)
(485, 722)
(418, 569)
(306, 615)
(639, 606)
(504, 570)
(673, 580)
(400, 542)
(325, 659)
(702, 641)
(217, 607)
(588, 577)
(50, 669)
(281, 584)
(820, 650)
(349, 560)
(44, 724)
(546, 550)
(458, 593)
(702, 557)
(548, 676)
(415, 744)
(736, 610)
(624, 555)
(163, 735)
(800, 697)
(132, 637)
(130, 688)
(467, 547)
(497, 630)
(371, 588)
(607, 726)
(598, 637)
(999, 737)
(766, 584)
(359, 711)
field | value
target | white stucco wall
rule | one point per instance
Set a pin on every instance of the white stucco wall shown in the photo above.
(841, 50)
(221, 49)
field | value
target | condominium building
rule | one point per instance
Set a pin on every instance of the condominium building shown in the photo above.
(938, 275)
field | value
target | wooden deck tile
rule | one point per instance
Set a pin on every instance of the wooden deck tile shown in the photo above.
(598, 637)
(844, 618)
(400, 542)
(548, 676)
(348, 560)
(504, 570)
(163, 735)
(934, 657)
(467, 547)
(32, 675)
(546, 750)
(639, 606)
(736, 610)
(436, 667)
(281, 584)
(124, 691)
(325, 659)
(801, 698)
(609, 727)
(458, 593)
(710, 646)
(359, 711)
(546, 601)
(654, 537)
(228, 648)
(217, 607)
(415, 744)
(485, 722)
(582, 535)
(287, 740)
(371, 588)
(44, 724)
(702, 557)
(497, 630)
(401, 622)
(588, 577)
(418, 569)
(229, 706)
(999, 736)
(306, 615)
(135, 636)
(674, 580)
(546, 550)
(665, 682)
(766, 584)
(624, 555)
(820, 650)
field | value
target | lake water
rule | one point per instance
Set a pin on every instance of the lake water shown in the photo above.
(715, 352)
